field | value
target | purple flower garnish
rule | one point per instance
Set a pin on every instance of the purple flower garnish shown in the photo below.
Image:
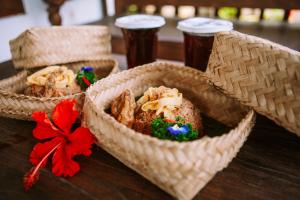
(176, 130)
(87, 69)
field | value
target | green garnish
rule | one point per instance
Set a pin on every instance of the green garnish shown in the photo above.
(85, 77)
(173, 130)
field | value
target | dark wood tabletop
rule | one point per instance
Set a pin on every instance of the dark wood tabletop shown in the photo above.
(267, 167)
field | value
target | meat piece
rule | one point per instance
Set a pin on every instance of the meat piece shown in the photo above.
(122, 108)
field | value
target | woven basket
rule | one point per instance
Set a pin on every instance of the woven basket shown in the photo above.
(181, 169)
(260, 74)
(16, 105)
(52, 45)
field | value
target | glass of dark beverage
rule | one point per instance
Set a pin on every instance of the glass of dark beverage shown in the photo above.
(199, 37)
(140, 35)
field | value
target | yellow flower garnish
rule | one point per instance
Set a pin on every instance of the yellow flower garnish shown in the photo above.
(162, 100)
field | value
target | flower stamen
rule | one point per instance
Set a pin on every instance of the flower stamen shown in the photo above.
(32, 176)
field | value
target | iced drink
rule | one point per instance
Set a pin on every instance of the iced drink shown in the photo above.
(140, 35)
(199, 37)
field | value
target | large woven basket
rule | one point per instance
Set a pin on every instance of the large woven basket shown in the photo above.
(181, 169)
(58, 45)
(260, 74)
(14, 104)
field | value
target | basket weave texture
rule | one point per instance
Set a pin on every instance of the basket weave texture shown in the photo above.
(260, 74)
(16, 105)
(181, 169)
(45, 46)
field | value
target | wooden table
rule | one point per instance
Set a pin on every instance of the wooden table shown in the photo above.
(267, 167)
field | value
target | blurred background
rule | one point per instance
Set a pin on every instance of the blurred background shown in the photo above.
(276, 20)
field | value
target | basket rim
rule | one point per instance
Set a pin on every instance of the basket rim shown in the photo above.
(57, 28)
(9, 94)
(132, 134)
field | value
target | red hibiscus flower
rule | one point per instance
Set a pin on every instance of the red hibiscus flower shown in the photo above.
(60, 142)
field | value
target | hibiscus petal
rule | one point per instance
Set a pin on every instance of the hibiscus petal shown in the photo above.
(40, 150)
(80, 142)
(65, 114)
(63, 165)
(44, 128)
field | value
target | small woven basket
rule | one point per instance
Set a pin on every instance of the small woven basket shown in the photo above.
(260, 74)
(16, 105)
(73, 47)
(181, 169)
(45, 46)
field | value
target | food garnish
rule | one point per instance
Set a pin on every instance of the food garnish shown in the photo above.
(86, 77)
(173, 130)
(162, 100)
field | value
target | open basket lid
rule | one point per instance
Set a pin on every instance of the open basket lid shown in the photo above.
(260, 74)
(43, 46)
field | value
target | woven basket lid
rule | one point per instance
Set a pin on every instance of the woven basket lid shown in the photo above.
(37, 47)
(260, 74)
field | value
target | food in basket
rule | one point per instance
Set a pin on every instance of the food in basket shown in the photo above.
(57, 81)
(161, 112)
(122, 108)
(52, 81)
